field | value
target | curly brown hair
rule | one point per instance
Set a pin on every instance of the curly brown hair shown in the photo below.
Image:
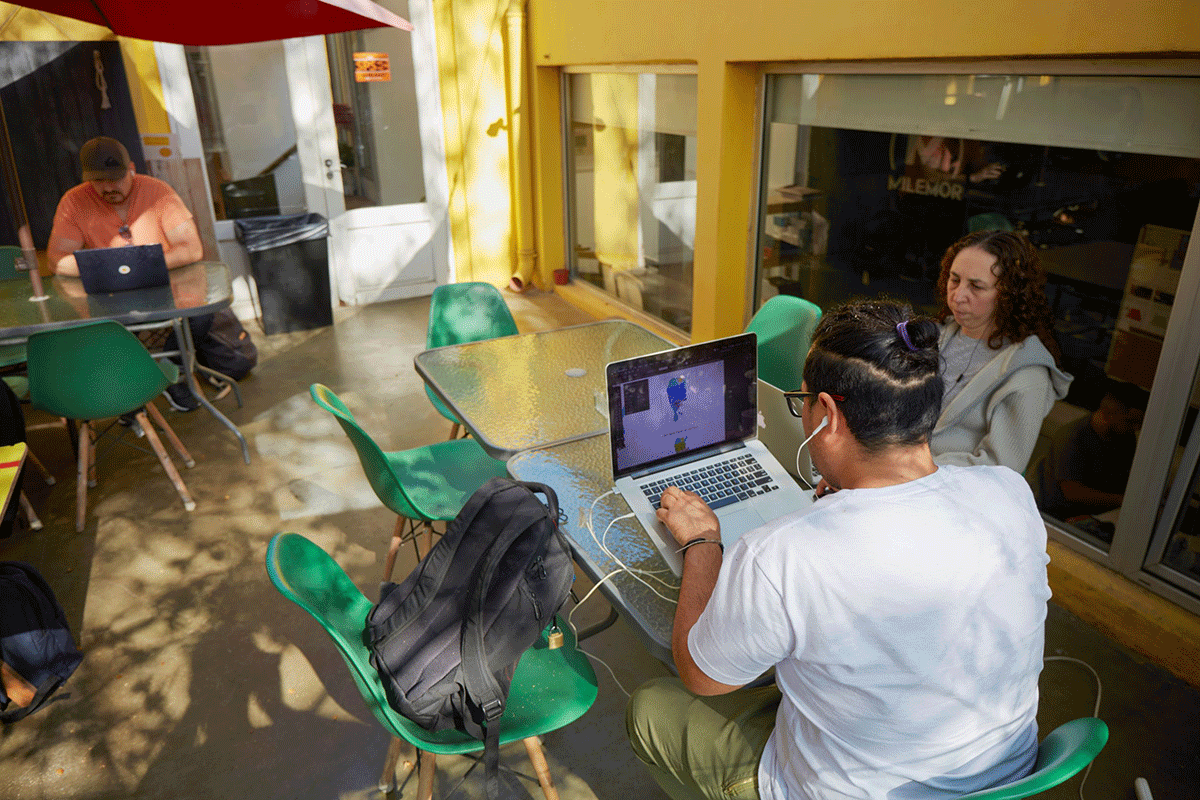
(1021, 307)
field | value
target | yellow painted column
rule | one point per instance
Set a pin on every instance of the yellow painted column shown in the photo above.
(615, 193)
(471, 58)
(725, 148)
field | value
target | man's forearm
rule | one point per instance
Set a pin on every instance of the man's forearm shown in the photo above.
(701, 566)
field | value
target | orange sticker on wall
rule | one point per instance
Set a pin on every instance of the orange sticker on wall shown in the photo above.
(370, 67)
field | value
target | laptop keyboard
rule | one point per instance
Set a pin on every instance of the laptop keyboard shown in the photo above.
(721, 484)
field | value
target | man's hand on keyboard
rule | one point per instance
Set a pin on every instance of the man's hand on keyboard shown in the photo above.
(687, 516)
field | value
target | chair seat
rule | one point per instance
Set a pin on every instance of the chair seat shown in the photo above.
(550, 688)
(440, 477)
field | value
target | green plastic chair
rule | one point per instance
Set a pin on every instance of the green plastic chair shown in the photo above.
(422, 485)
(550, 689)
(785, 327)
(95, 371)
(461, 313)
(1062, 754)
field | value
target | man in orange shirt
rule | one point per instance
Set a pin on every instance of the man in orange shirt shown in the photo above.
(114, 206)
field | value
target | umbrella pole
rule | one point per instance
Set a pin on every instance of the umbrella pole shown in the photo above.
(17, 202)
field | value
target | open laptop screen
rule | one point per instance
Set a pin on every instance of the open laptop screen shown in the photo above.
(665, 405)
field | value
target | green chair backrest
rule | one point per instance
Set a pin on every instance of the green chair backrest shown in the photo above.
(93, 371)
(551, 688)
(461, 313)
(8, 261)
(785, 327)
(467, 312)
(1063, 753)
(374, 462)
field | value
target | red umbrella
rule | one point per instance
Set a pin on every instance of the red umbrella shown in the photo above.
(223, 21)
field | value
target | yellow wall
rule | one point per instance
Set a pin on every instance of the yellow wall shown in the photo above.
(728, 39)
(471, 41)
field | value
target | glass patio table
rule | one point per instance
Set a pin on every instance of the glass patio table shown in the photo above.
(200, 288)
(531, 390)
(580, 472)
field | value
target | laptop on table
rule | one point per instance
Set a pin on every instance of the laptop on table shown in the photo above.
(104, 270)
(688, 417)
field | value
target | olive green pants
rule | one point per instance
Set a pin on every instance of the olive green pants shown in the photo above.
(701, 747)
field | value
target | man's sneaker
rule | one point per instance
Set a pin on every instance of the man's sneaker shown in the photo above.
(130, 421)
(181, 398)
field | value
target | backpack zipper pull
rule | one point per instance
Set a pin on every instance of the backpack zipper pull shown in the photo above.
(555, 639)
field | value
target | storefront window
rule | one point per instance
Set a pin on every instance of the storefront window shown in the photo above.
(632, 150)
(867, 179)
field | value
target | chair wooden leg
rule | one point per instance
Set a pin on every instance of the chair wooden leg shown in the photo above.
(31, 517)
(453, 430)
(188, 461)
(427, 766)
(389, 563)
(81, 477)
(533, 746)
(428, 537)
(91, 451)
(39, 466)
(389, 780)
(165, 459)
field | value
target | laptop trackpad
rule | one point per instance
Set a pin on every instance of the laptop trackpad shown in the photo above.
(737, 522)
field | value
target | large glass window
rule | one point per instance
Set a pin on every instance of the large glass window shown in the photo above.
(632, 171)
(866, 180)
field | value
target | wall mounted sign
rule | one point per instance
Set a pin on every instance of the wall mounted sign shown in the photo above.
(371, 67)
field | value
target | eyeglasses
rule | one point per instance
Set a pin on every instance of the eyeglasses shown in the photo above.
(795, 400)
(125, 233)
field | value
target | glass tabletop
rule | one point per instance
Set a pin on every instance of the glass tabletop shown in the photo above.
(199, 288)
(533, 389)
(580, 472)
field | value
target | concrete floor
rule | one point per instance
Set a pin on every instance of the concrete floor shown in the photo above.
(200, 681)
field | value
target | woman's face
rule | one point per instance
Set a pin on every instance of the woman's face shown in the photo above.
(971, 291)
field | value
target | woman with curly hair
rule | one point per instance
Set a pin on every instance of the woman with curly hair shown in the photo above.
(1000, 363)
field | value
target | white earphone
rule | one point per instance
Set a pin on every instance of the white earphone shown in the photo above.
(824, 422)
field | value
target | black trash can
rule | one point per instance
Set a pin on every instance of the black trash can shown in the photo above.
(289, 259)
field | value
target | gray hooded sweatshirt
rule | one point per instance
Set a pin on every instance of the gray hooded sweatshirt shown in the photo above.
(997, 416)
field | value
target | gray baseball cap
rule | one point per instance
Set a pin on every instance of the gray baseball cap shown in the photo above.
(103, 159)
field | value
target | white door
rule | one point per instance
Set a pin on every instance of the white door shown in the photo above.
(371, 154)
(284, 127)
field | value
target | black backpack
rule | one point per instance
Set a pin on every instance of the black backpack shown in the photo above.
(35, 641)
(446, 641)
(226, 346)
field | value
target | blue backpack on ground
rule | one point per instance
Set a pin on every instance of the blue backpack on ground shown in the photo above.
(36, 647)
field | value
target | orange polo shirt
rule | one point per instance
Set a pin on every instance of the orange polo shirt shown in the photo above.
(154, 208)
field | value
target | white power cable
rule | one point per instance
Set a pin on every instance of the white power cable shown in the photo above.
(1095, 713)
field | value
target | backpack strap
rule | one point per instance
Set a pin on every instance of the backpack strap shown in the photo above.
(481, 684)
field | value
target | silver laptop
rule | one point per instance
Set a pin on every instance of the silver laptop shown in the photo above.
(120, 269)
(783, 434)
(688, 417)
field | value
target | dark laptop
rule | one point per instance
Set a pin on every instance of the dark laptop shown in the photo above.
(120, 269)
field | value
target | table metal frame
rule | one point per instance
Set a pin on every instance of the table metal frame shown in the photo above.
(66, 304)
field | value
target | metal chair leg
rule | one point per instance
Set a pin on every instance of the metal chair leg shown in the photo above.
(533, 746)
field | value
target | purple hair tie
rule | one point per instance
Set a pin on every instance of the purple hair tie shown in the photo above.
(902, 329)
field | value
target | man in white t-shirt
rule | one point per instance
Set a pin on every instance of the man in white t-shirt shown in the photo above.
(903, 612)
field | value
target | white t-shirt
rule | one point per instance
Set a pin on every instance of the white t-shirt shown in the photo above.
(906, 628)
